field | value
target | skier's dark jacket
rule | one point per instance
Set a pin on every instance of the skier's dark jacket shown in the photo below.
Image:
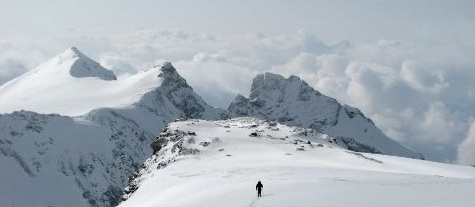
(259, 186)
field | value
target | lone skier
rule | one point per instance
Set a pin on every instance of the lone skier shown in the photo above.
(259, 187)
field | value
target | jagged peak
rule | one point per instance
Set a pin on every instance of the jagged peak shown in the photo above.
(272, 77)
(266, 81)
(270, 81)
(292, 101)
(267, 76)
(167, 67)
(167, 70)
(170, 75)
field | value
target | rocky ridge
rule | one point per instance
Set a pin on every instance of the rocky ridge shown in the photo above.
(293, 102)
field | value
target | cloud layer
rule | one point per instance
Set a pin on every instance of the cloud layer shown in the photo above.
(419, 93)
(466, 150)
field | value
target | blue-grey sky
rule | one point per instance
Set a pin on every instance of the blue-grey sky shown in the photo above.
(408, 65)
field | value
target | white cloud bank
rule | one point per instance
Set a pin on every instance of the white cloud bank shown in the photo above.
(420, 94)
(466, 150)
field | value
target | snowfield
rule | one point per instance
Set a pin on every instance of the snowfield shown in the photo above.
(206, 163)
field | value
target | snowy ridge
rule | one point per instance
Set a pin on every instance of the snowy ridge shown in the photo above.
(293, 102)
(175, 91)
(59, 84)
(90, 156)
(206, 163)
(83, 66)
(70, 122)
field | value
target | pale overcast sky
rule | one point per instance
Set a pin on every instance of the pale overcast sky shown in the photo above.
(342, 19)
(408, 65)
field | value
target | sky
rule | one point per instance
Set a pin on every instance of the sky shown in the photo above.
(408, 65)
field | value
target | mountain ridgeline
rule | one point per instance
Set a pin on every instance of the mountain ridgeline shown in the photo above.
(88, 154)
(87, 158)
(293, 102)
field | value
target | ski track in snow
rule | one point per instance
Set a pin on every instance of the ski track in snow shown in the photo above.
(253, 202)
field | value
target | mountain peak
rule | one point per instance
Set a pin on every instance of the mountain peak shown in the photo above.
(271, 80)
(167, 69)
(170, 76)
(293, 102)
(70, 53)
(81, 66)
(273, 89)
(268, 77)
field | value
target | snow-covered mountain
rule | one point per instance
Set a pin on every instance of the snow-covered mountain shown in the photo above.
(71, 132)
(293, 102)
(218, 163)
(99, 134)
(72, 84)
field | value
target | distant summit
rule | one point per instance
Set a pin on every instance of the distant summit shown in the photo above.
(174, 92)
(83, 66)
(70, 53)
(71, 84)
(293, 102)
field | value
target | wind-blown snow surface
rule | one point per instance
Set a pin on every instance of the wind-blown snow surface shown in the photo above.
(293, 102)
(205, 163)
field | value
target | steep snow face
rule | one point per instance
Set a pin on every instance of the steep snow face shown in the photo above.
(205, 163)
(58, 160)
(88, 158)
(82, 66)
(292, 101)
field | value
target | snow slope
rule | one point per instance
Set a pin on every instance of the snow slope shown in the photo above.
(205, 163)
(58, 160)
(293, 102)
(73, 84)
(52, 159)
